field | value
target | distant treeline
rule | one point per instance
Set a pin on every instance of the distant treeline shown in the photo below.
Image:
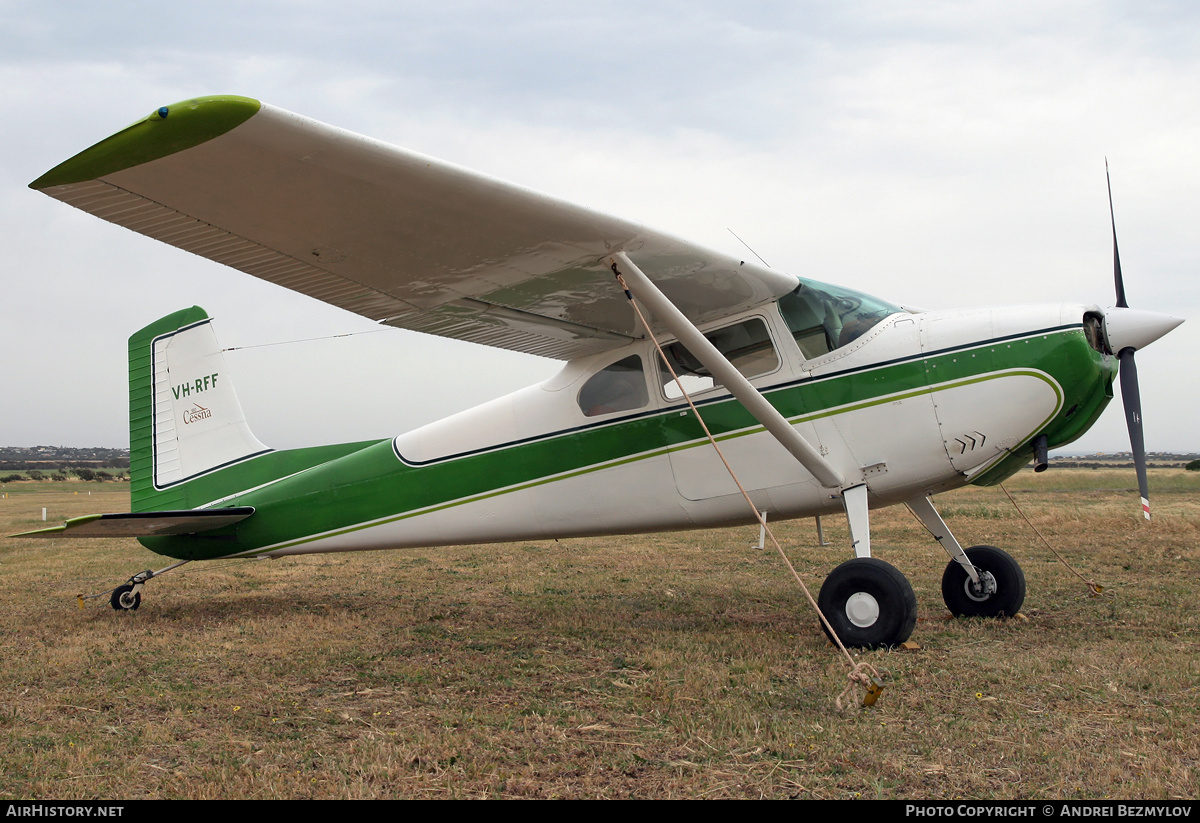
(64, 474)
(63, 459)
(1158, 458)
(1109, 464)
(63, 465)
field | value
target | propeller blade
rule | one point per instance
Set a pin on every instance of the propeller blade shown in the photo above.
(1120, 281)
(1131, 397)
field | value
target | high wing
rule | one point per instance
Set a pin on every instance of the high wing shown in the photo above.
(390, 234)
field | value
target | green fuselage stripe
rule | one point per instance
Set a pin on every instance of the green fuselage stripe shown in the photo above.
(683, 447)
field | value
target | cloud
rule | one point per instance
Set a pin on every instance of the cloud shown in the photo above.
(936, 154)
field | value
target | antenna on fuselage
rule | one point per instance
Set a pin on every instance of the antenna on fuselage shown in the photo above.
(747, 245)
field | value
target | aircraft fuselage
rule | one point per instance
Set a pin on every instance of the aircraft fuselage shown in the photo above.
(917, 404)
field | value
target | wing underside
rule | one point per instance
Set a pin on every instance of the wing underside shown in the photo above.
(390, 234)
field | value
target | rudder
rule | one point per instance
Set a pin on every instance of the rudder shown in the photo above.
(185, 419)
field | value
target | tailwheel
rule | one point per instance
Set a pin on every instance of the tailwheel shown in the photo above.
(128, 596)
(124, 598)
(1000, 591)
(869, 603)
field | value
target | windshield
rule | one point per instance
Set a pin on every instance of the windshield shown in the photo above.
(823, 317)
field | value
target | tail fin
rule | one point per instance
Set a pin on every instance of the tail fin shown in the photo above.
(185, 420)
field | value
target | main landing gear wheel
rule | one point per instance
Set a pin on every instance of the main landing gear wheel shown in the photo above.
(999, 593)
(124, 598)
(869, 603)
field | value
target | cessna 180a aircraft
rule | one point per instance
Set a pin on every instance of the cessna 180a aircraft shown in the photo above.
(823, 399)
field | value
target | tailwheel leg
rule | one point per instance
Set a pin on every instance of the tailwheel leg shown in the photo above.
(128, 596)
(869, 603)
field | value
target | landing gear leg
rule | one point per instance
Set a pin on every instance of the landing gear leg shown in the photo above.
(981, 581)
(859, 518)
(868, 602)
(127, 597)
(923, 508)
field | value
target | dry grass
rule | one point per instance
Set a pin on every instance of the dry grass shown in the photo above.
(683, 665)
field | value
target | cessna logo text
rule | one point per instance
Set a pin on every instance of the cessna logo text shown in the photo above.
(200, 384)
(196, 412)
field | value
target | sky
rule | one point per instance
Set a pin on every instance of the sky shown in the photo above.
(935, 154)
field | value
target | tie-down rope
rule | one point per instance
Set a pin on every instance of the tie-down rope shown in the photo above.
(860, 673)
(1092, 585)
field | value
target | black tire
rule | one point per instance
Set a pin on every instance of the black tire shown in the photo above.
(125, 599)
(869, 603)
(965, 600)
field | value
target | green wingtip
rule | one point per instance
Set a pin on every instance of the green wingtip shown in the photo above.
(166, 131)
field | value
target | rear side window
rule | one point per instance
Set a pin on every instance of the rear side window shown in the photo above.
(620, 386)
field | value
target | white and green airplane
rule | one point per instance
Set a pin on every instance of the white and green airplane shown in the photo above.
(822, 399)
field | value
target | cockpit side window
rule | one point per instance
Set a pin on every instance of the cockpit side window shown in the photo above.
(620, 386)
(747, 345)
(823, 318)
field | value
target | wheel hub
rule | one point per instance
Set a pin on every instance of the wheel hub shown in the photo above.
(862, 609)
(983, 590)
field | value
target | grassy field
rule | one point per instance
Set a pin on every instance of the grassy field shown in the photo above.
(679, 665)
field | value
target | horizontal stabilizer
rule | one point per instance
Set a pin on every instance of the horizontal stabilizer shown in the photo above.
(145, 524)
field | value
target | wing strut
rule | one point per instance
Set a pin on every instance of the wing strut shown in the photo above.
(724, 371)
